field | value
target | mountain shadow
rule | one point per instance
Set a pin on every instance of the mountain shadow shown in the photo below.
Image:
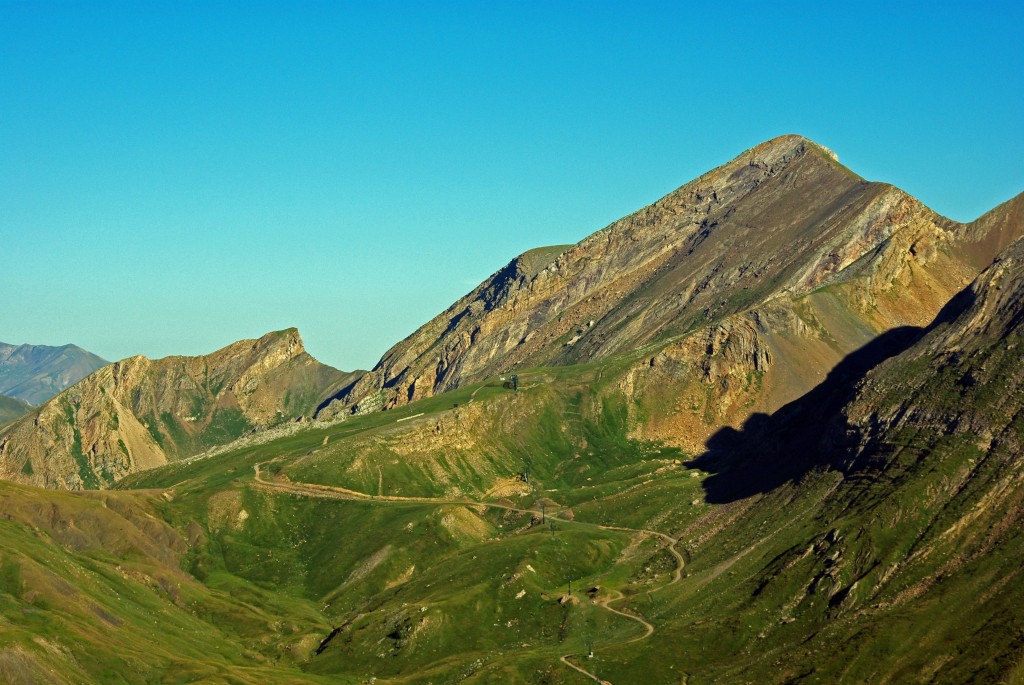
(810, 432)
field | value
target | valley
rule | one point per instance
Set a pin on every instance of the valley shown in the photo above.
(767, 429)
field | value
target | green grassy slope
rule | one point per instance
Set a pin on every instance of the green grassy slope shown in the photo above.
(92, 590)
(868, 532)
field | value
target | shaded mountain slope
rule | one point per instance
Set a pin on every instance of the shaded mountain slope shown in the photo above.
(35, 373)
(994, 231)
(139, 413)
(873, 527)
(779, 262)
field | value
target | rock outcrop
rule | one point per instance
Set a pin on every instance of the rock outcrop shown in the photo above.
(139, 413)
(781, 255)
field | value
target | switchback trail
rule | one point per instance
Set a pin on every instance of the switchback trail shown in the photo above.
(336, 492)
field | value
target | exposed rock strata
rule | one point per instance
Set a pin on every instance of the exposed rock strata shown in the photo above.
(784, 257)
(140, 413)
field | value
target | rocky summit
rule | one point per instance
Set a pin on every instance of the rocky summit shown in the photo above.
(746, 285)
(140, 413)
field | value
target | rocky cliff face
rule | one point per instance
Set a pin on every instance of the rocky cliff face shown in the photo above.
(746, 284)
(140, 413)
(35, 373)
(778, 349)
(964, 377)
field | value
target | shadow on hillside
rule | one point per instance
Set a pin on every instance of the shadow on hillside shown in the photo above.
(808, 433)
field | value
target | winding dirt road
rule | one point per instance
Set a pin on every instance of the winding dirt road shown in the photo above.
(336, 492)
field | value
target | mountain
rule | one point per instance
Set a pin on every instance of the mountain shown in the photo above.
(886, 505)
(11, 408)
(35, 373)
(747, 285)
(139, 413)
(822, 484)
(867, 531)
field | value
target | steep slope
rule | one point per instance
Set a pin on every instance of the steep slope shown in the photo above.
(873, 527)
(140, 413)
(93, 590)
(780, 258)
(11, 408)
(35, 373)
(869, 531)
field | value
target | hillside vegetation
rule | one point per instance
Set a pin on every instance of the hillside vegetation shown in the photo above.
(823, 483)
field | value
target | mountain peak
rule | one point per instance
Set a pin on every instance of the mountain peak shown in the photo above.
(290, 334)
(774, 224)
(139, 413)
(35, 373)
(789, 144)
(276, 346)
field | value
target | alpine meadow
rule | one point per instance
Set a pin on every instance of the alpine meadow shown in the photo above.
(768, 428)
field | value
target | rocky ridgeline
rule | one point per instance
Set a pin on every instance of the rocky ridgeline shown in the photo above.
(140, 413)
(784, 257)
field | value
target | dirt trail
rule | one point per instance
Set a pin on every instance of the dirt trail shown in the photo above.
(335, 492)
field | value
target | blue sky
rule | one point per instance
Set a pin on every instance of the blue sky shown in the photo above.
(176, 176)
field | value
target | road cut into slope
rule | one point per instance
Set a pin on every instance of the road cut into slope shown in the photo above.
(337, 492)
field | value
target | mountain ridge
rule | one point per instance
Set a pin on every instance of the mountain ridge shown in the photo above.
(35, 373)
(734, 294)
(746, 245)
(138, 413)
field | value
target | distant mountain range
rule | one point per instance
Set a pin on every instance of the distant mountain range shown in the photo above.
(35, 373)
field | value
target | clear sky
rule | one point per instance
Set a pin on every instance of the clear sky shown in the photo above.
(176, 176)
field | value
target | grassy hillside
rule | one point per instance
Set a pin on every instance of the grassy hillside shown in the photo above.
(869, 531)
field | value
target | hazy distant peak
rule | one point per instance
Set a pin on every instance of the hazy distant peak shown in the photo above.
(139, 413)
(35, 373)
